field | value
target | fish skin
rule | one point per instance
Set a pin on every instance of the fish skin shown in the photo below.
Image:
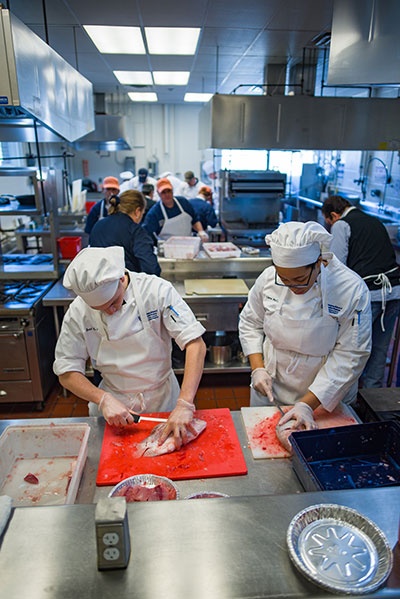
(150, 448)
(283, 433)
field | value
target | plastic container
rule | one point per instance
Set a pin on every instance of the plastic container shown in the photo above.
(348, 457)
(185, 248)
(54, 454)
(69, 247)
(222, 250)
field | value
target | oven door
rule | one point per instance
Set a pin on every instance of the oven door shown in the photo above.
(14, 361)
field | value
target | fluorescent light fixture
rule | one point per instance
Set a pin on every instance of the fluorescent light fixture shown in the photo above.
(116, 40)
(143, 96)
(171, 77)
(197, 97)
(134, 77)
(172, 40)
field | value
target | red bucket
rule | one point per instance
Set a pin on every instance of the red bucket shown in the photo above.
(89, 206)
(69, 247)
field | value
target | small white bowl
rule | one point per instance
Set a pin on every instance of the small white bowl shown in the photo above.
(144, 480)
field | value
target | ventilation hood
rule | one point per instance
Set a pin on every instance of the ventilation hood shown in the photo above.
(300, 122)
(36, 83)
(109, 135)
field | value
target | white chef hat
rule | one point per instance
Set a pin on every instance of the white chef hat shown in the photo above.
(296, 244)
(94, 274)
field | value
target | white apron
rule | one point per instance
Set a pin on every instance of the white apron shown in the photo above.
(101, 215)
(295, 349)
(180, 225)
(136, 368)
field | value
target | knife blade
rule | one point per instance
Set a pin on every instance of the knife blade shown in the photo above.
(138, 417)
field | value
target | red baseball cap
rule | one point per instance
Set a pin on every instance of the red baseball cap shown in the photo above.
(110, 182)
(164, 184)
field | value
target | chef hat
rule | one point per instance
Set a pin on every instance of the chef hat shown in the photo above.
(94, 274)
(298, 244)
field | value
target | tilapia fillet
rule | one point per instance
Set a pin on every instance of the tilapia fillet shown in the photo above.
(150, 448)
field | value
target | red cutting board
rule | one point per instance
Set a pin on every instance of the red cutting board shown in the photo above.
(216, 452)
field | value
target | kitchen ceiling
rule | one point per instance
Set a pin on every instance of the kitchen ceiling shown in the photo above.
(238, 39)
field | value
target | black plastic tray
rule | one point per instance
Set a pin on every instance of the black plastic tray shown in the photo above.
(348, 457)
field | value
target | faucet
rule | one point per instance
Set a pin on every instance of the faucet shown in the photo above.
(388, 178)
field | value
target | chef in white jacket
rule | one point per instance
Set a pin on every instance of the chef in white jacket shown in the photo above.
(124, 322)
(306, 326)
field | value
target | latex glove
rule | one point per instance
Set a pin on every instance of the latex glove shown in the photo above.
(114, 411)
(203, 236)
(179, 422)
(262, 382)
(302, 416)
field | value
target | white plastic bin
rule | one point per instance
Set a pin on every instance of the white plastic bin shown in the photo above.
(182, 247)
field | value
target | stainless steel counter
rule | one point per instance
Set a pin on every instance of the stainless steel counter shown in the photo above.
(264, 476)
(202, 549)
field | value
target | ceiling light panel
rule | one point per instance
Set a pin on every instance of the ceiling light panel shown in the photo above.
(171, 77)
(134, 77)
(197, 97)
(116, 40)
(172, 40)
(143, 96)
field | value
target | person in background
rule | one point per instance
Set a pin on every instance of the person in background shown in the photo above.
(362, 242)
(100, 209)
(124, 229)
(204, 208)
(148, 192)
(124, 322)
(138, 181)
(306, 326)
(191, 187)
(175, 181)
(172, 216)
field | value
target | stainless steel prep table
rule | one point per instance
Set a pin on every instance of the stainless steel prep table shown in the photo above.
(202, 549)
(264, 476)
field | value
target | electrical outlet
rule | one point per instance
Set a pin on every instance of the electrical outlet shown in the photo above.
(112, 533)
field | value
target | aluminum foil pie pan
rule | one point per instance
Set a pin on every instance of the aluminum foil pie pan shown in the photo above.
(338, 549)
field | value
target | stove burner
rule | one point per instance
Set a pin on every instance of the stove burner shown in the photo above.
(21, 293)
(30, 259)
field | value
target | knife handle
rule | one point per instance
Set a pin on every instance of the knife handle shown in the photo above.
(136, 417)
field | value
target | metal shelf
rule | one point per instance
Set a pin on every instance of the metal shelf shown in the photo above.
(235, 366)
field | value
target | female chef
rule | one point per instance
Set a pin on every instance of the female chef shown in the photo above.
(306, 326)
(124, 322)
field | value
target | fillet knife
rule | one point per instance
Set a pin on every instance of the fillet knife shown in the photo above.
(138, 417)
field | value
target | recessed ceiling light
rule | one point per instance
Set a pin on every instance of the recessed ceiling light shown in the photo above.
(143, 96)
(172, 40)
(116, 40)
(197, 97)
(171, 77)
(134, 77)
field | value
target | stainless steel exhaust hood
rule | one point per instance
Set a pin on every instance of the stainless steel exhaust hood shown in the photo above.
(36, 83)
(109, 135)
(300, 122)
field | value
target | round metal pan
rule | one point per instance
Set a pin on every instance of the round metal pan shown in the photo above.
(338, 549)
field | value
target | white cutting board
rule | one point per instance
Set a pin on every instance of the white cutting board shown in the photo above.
(260, 426)
(216, 287)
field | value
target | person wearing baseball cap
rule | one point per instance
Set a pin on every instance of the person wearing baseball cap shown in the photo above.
(138, 181)
(172, 216)
(124, 322)
(306, 327)
(100, 209)
(191, 187)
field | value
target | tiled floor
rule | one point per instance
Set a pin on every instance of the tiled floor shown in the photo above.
(216, 391)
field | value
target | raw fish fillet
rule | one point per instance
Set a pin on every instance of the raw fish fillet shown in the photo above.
(150, 448)
(160, 492)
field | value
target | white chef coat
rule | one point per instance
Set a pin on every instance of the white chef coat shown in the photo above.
(191, 192)
(317, 341)
(133, 359)
(134, 183)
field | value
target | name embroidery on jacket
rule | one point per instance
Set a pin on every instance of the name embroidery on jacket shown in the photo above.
(332, 309)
